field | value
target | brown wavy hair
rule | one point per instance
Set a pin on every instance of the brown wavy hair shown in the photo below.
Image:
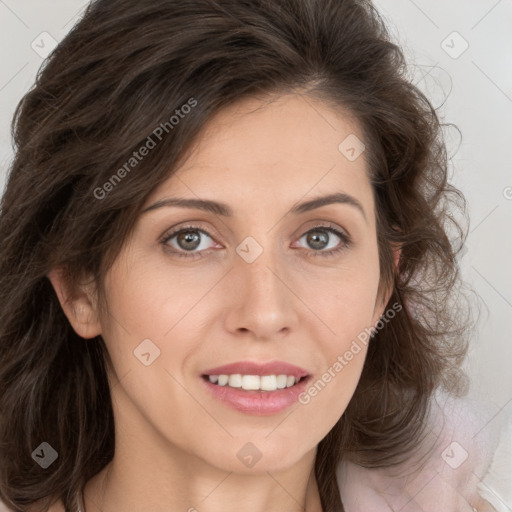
(121, 71)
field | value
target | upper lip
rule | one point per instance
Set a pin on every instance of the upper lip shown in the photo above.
(255, 368)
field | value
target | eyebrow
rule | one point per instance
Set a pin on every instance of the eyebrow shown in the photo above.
(223, 209)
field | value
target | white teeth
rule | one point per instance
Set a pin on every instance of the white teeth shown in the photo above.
(268, 383)
(223, 380)
(281, 381)
(254, 382)
(251, 382)
(235, 381)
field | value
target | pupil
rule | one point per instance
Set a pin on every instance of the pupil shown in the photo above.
(188, 237)
(314, 239)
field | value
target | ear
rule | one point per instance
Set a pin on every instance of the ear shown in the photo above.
(79, 305)
(381, 305)
(397, 252)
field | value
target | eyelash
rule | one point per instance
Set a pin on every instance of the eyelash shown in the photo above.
(346, 241)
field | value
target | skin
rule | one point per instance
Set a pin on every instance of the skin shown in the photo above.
(176, 447)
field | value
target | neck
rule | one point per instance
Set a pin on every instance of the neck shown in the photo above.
(114, 489)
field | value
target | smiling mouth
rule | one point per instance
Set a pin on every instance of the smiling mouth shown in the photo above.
(254, 383)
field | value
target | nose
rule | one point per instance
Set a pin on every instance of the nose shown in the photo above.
(262, 302)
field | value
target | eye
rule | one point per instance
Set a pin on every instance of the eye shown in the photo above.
(191, 241)
(319, 238)
(187, 240)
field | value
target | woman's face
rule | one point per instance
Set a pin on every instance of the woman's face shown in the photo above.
(269, 283)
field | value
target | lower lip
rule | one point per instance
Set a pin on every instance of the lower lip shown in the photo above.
(257, 403)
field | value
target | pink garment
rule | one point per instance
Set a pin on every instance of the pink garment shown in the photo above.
(458, 475)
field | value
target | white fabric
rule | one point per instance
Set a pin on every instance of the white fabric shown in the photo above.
(496, 486)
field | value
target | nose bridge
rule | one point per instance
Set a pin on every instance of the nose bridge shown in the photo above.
(258, 265)
(263, 302)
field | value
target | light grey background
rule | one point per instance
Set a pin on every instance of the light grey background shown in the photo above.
(475, 91)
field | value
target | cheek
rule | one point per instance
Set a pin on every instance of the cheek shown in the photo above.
(152, 328)
(148, 299)
(148, 341)
(346, 299)
(328, 394)
(347, 308)
(343, 355)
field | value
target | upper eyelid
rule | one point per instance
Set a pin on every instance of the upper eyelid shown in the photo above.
(173, 232)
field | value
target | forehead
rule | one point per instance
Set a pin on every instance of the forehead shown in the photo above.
(274, 152)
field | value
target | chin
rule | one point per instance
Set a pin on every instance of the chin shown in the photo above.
(257, 455)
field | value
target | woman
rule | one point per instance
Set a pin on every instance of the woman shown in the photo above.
(226, 272)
